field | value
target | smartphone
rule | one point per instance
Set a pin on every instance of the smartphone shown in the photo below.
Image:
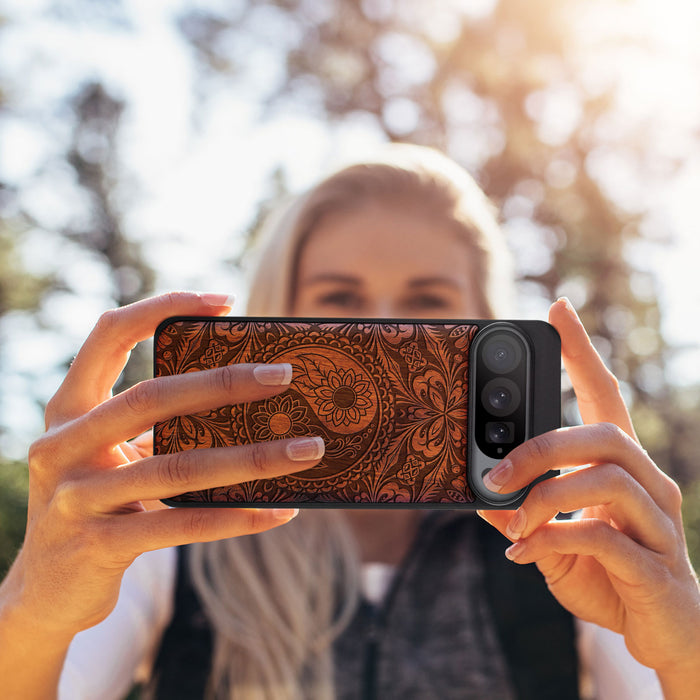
(413, 413)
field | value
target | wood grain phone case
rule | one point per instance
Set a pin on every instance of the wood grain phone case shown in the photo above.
(389, 399)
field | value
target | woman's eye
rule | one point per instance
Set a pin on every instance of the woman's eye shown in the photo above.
(341, 300)
(427, 302)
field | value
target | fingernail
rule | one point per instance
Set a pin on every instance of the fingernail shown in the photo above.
(218, 299)
(285, 514)
(498, 477)
(305, 449)
(516, 525)
(273, 375)
(515, 550)
(569, 306)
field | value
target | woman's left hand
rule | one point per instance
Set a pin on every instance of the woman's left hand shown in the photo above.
(623, 564)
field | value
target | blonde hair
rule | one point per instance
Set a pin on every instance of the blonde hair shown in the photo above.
(277, 600)
(404, 175)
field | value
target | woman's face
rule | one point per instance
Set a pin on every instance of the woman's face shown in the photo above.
(385, 261)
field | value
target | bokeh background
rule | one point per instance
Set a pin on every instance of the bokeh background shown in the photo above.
(140, 142)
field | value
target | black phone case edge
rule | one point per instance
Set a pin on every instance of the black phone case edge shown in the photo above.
(546, 414)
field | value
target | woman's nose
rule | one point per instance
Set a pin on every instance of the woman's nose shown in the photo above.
(382, 308)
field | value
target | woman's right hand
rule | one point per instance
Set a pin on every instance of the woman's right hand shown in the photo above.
(88, 516)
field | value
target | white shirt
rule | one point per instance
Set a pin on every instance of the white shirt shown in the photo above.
(104, 661)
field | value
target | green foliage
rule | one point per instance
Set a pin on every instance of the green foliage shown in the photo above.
(691, 521)
(14, 484)
(484, 87)
(18, 289)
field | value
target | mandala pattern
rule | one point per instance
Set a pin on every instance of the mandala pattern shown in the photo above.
(389, 400)
(280, 417)
(345, 399)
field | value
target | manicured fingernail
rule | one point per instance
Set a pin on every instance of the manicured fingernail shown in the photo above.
(285, 514)
(569, 306)
(515, 550)
(305, 449)
(218, 299)
(277, 374)
(498, 477)
(516, 525)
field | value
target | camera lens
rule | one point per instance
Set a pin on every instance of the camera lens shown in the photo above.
(500, 396)
(499, 432)
(502, 353)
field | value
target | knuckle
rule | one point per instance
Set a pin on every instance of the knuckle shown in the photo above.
(141, 397)
(226, 379)
(674, 494)
(67, 498)
(617, 478)
(196, 525)
(43, 455)
(673, 537)
(542, 494)
(610, 432)
(107, 322)
(110, 326)
(174, 299)
(176, 470)
(38, 455)
(600, 533)
(257, 520)
(539, 448)
(258, 459)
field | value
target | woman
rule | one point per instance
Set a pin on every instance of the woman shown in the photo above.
(409, 236)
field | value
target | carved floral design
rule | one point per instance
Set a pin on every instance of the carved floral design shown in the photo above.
(280, 417)
(440, 414)
(389, 400)
(345, 399)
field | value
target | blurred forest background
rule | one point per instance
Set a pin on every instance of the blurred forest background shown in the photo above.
(580, 119)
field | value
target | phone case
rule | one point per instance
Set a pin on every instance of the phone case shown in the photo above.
(390, 399)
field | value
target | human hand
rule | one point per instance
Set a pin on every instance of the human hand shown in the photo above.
(624, 563)
(87, 513)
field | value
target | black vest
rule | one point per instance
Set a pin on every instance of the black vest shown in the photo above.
(534, 634)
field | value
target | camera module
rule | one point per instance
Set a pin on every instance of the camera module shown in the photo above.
(500, 389)
(502, 353)
(500, 396)
(500, 432)
(505, 401)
